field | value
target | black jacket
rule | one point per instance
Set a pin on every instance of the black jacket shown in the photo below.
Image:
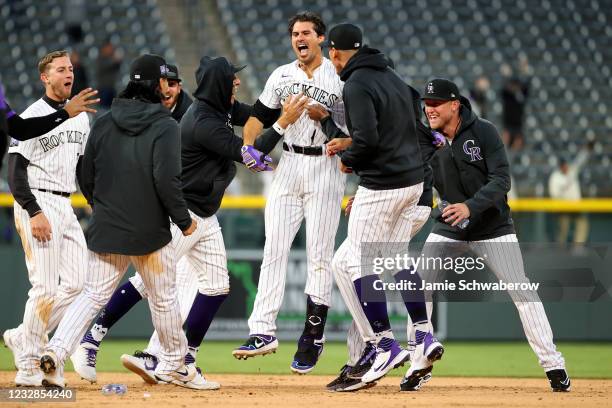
(131, 178)
(474, 170)
(380, 118)
(209, 145)
(183, 103)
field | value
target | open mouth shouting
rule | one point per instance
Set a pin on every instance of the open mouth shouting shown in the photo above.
(302, 49)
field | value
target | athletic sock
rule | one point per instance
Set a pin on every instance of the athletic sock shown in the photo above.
(124, 298)
(373, 303)
(413, 299)
(200, 317)
(192, 354)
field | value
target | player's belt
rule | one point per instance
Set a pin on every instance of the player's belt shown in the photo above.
(305, 150)
(59, 193)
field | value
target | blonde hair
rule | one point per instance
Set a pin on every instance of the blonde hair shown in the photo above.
(44, 62)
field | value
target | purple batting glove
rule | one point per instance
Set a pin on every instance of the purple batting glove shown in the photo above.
(438, 139)
(2, 98)
(254, 159)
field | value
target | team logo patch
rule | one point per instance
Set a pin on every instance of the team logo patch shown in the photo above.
(430, 88)
(471, 150)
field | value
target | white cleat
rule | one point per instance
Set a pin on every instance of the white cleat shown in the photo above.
(143, 364)
(84, 361)
(22, 379)
(11, 340)
(183, 375)
(389, 355)
(425, 354)
(52, 369)
(198, 382)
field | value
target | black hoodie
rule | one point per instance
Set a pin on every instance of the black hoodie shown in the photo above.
(183, 103)
(380, 118)
(131, 178)
(209, 145)
(474, 170)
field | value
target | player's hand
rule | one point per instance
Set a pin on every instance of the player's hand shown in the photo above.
(349, 206)
(455, 213)
(81, 101)
(345, 169)
(255, 160)
(190, 230)
(41, 229)
(338, 144)
(293, 107)
(316, 111)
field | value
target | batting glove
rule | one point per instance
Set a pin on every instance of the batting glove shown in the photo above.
(255, 160)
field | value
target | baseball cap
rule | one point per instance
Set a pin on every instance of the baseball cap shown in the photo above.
(173, 73)
(344, 36)
(148, 67)
(441, 89)
(238, 68)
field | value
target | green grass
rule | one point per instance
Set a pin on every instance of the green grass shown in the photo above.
(467, 359)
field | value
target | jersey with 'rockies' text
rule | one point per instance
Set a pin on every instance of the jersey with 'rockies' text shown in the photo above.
(325, 87)
(53, 156)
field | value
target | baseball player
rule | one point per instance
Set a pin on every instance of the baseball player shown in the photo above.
(385, 154)
(471, 172)
(177, 100)
(307, 185)
(209, 148)
(360, 345)
(42, 176)
(22, 129)
(131, 178)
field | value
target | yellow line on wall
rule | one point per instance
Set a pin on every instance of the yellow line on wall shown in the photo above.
(257, 202)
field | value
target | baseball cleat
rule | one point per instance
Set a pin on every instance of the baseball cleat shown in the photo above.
(11, 340)
(53, 371)
(143, 364)
(22, 379)
(428, 351)
(389, 355)
(345, 384)
(307, 354)
(84, 361)
(180, 377)
(256, 345)
(198, 382)
(416, 379)
(559, 380)
(364, 363)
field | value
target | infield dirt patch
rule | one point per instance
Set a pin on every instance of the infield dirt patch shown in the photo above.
(240, 390)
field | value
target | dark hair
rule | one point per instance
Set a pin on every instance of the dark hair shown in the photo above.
(146, 91)
(309, 16)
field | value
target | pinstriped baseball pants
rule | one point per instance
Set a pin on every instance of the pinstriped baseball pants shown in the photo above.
(56, 270)
(158, 271)
(504, 258)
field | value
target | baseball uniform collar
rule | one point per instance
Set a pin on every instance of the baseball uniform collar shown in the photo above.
(54, 104)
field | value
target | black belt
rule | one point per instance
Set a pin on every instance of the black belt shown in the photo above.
(305, 150)
(59, 193)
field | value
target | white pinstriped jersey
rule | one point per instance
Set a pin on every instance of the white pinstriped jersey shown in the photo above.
(325, 87)
(53, 156)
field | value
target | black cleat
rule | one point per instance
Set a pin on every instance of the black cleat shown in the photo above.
(365, 362)
(559, 380)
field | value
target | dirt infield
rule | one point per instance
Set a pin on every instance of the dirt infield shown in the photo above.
(309, 392)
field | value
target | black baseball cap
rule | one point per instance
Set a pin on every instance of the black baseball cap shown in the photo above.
(344, 36)
(173, 73)
(238, 68)
(148, 67)
(441, 89)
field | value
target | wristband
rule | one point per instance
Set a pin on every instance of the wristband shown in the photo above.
(278, 129)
